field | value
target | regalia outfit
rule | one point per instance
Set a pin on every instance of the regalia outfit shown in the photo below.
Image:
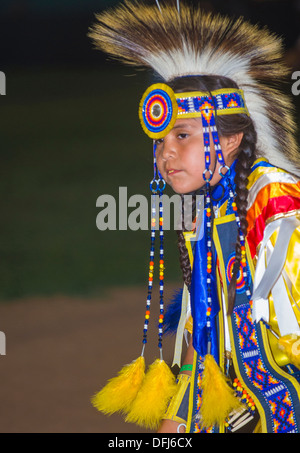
(263, 374)
(246, 363)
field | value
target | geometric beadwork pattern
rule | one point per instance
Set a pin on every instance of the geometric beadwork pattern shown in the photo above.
(275, 394)
(241, 285)
(222, 101)
(199, 399)
(160, 107)
(197, 420)
(158, 110)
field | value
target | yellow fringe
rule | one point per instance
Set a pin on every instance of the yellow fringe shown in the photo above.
(120, 391)
(290, 344)
(218, 399)
(152, 400)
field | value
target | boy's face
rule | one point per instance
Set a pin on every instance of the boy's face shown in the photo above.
(180, 156)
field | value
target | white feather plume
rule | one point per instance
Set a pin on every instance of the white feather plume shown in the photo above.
(198, 43)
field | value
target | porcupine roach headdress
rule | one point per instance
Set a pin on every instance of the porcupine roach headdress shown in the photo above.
(178, 42)
(191, 42)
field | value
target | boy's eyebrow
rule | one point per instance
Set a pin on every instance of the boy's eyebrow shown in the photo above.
(177, 126)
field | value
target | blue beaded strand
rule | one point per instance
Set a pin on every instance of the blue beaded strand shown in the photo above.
(207, 175)
(157, 186)
(161, 276)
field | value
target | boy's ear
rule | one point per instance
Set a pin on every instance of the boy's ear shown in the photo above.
(231, 143)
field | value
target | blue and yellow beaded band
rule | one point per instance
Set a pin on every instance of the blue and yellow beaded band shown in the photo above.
(160, 107)
(225, 101)
(178, 406)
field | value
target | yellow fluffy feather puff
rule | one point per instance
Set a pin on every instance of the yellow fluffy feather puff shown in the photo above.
(290, 344)
(152, 400)
(120, 391)
(218, 399)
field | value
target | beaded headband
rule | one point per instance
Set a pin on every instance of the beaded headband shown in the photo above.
(160, 107)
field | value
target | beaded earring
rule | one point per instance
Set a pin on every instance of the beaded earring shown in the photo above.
(132, 390)
(159, 379)
(157, 186)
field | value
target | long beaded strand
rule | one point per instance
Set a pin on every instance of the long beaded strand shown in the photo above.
(225, 174)
(152, 251)
(161, 276)
(208, 263)
(150, 274)
(207, 175)
(157, 186)
(209, 125)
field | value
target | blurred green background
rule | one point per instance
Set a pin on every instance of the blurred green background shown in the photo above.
(69, 136)
(69, 133)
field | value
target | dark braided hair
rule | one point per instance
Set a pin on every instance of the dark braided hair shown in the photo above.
(185, 264)
(227, 125)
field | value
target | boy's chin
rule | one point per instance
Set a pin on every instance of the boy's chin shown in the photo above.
(185, 190)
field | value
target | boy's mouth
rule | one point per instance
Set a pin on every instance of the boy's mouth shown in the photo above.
(172, 171)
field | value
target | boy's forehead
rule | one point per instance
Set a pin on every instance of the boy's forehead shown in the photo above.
(188, 122)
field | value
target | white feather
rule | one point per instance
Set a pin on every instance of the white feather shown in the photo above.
(184, 61)
(218, 51)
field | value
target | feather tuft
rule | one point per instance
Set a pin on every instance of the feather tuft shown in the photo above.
(120, 391)
(290, 345)
(197, 42)
(173, 313)
(152, 400)
(218, 399)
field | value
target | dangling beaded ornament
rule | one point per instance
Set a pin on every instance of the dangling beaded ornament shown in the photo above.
(151, 269)
(161, 274)
(218, 398)
(143, 398)
(157, 186)
(159, 384)
(207, 175)
(224, 171)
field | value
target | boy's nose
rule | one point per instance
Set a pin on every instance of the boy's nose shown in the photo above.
(169, 149)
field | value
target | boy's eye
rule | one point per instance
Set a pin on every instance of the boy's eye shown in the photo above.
(182, 135)
(159, 141)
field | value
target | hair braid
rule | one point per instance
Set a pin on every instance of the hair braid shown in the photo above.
(243, 168)
(184, 260)
(183, 251)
